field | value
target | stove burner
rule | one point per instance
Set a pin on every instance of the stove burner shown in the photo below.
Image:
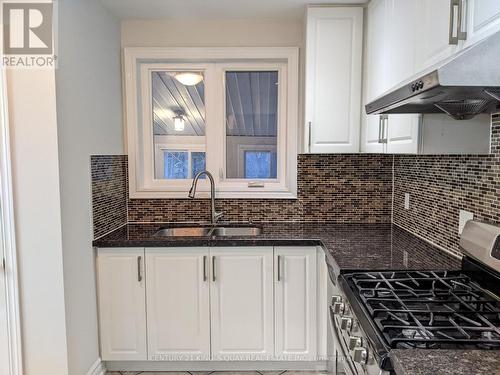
(430, 309)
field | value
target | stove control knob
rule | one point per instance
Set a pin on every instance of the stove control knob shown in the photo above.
(355, 342)
(360, 355)
(346, 324)
(336, 299)
(338, 308)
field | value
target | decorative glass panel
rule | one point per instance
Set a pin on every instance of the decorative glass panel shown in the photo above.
(197, 163)
(251, 124)
(176, 164)
(260, 164)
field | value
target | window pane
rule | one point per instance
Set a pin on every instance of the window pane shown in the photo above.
(176, 164)
(178, 99)
(260, 164)
(251, 120)
(197, 163)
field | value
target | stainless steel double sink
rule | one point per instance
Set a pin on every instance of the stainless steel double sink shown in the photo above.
(209, 230)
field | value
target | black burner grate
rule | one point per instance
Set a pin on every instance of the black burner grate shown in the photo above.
(430, 309)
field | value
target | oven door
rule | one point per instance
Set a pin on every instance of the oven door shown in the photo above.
(343, 329)
(341, 362)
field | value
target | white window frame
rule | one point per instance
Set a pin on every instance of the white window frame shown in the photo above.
(139, 61)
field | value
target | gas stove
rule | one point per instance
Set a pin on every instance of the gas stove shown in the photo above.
(429, 310)
(375, 312)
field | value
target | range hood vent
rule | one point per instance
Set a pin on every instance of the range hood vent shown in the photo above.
(464, 109)
(462, 86)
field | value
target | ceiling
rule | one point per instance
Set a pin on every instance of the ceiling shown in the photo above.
(213, 9)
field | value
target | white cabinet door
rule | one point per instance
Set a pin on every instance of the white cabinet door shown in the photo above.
(178, 306)
(483, 19)
(295, 303)
(376, 72)
(401, 130)
(242, 303)
(390, 59)
(333, 78)
(432, 21)
(402, 134)
(122, 303)
(401, 37)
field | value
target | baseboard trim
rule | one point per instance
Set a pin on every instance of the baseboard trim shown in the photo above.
(215, 365)
(97, 368)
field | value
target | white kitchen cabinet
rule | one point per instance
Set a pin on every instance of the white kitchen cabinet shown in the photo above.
(178, 303)
(241, 294)
(334, 38)
(402, 133)
(376, 73)
(432, 21)
(401, 130)
(210, 304)
(295, 303)
(483, 19)
(389, 60)
(122, 303)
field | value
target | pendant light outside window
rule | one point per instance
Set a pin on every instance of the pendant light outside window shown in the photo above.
(189, 78)
(179, 123)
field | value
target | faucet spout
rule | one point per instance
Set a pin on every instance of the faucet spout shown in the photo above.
(215, 216)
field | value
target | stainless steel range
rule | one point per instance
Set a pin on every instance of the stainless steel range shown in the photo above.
(374, 312)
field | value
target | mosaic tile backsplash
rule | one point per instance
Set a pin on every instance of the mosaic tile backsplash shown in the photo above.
(109, 192)
(344, 188)
(333, 188)
(441, 185)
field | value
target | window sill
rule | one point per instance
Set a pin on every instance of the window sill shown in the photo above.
(218, 195)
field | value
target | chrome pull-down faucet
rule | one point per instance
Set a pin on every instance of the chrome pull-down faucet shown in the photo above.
(215, 216)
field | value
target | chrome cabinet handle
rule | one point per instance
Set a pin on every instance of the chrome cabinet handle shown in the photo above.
(380, 129)
(385, 128)
(462, 20)
(454, 5)
(279, 267)
(139, 271)
(456, 32)
(309, 124)
(382, 120)
(204, 268)
(213, 268)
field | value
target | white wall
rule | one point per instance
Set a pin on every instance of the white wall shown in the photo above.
(35, 173)
(221, 33)
(89, 115)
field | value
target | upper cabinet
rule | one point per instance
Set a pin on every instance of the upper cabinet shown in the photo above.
(483, 19)
(334, 39)
(389, 59)
(405, 38)
(439, 30)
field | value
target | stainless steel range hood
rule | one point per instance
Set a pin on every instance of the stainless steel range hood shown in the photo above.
(462, 86)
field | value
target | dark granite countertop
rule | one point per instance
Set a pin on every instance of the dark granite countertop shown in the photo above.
(348, 246)
(445, 362)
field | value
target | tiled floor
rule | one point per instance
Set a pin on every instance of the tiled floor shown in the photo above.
(216, 373)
